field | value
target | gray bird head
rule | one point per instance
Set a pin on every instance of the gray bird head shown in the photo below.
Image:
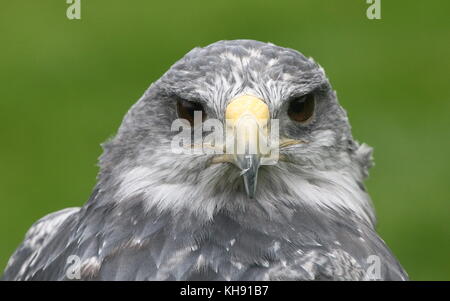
(319, 165)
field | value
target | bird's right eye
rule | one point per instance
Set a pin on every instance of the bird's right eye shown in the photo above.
(186, 110)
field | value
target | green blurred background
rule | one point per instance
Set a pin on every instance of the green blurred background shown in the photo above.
(66, 84)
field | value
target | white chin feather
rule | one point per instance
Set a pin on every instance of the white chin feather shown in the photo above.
(321, 190)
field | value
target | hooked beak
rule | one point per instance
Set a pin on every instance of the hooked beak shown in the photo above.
(249, 164)
(247, 119)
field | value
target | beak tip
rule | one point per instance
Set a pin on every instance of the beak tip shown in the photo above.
(251, 193)
(250, 177)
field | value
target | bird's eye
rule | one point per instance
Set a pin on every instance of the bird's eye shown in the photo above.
(186, 110)
(301, 108)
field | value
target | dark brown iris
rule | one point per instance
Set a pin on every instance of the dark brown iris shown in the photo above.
(186, 110)
(301, 108)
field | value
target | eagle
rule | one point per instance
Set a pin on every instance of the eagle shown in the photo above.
(167, 208)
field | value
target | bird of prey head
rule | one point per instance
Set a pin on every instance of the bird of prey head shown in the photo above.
(321, 165)
(160, 214)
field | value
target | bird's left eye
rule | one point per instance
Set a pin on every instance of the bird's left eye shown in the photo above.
(186, 110)
(301, 108)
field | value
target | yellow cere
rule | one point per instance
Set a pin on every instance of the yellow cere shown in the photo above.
(247, 104)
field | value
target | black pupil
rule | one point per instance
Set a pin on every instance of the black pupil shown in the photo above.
(186, 109)
(302, 108)
(298, 105)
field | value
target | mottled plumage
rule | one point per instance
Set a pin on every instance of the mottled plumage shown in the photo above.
(157, 215)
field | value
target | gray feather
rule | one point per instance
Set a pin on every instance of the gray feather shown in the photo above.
(156, 215)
